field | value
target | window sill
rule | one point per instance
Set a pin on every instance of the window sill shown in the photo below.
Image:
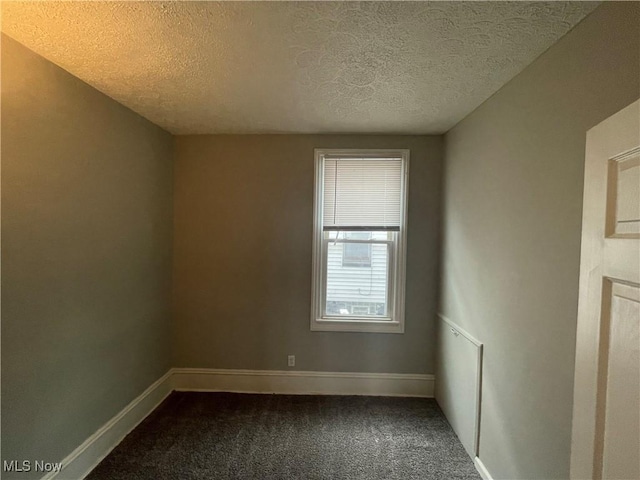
(356, 325)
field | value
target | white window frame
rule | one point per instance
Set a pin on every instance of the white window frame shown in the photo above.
(394, 323)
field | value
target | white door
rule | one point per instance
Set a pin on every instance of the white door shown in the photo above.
(606, 411)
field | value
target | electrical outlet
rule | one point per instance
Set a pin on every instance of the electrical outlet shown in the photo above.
(291, 360)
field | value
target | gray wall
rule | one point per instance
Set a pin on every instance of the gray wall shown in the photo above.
(242, 256)
(513, 205)
(86, 246)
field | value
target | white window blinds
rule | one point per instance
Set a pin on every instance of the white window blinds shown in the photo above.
(362, 193)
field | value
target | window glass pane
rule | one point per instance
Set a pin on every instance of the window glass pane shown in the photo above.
(357, 276)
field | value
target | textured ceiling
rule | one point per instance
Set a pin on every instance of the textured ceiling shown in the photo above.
(269, 67)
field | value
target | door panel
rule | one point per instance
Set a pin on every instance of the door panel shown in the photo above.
(619, 425)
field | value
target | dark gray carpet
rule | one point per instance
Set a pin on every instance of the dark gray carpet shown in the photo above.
(240, 436)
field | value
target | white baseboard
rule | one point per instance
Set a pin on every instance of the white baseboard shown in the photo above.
(482, 470)
(303, 383)
(83, 459)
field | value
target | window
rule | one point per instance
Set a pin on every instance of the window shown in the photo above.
(359, 243)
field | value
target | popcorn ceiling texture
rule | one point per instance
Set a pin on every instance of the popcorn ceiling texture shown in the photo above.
(294, 67)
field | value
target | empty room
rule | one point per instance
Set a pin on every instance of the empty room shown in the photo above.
(320, 240)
